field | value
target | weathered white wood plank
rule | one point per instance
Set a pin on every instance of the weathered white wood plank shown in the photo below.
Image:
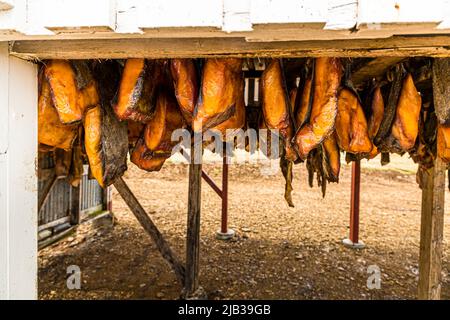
(400, 11)
(13, 21)
(288, 11)
(389, 17)
(18, 180)
(174, 13)
(342, 14)
(236, 16)
(4, 71)
(72, 15)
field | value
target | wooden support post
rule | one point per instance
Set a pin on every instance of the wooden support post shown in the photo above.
(150, 227)
(431, 231)
(433, 194)
(75, 200)
(193, 226)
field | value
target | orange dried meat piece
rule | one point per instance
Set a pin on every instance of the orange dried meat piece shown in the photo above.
(276, 106)
(137, 90)
(221, 81)
(93, 142)
(327, 78)
(332, 158)
(406, 123)
(65, 95)
(184, 75)
(237, 120)
(51, 131)
(167, 118)
(351, 124)
(301, 115)
(443, 142)
(145, 159)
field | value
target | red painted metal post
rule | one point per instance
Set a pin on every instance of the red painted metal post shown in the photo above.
(354, 205)
(224, 225)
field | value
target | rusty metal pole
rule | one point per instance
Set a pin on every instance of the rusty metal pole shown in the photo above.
(353, 240)
(224, 225)
(225, 233)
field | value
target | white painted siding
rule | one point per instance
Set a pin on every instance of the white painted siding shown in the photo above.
(280, 19)
(18, 180)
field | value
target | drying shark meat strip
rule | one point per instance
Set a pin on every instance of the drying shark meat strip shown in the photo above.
(276, 106)
(331, 158)
(377, 113)
(428, 131)
(73, 89)
(51, 132)
(293, 97)
(327, 77)
(106, 145)
(145, 159)
(375, 118)
(314, 165)
(137, 91)
(184, 75)
(406, 123)
(390, 108)
(351, 124)
(286, 169)
(303, 111)
(93, 142)
(105, 137)
(167, 118)
(237, 120)
(265, 141)
(443, 142)
(65, 94)
(220, 84)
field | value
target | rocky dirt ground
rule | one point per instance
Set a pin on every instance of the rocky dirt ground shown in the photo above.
(278, 252)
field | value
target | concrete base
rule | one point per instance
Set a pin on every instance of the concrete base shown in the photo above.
(225, 236)
(350, 244)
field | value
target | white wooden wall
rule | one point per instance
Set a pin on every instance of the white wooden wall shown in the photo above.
(18, 181)
(256, 20)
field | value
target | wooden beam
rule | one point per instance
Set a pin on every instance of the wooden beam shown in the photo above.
(396, 46)
(151, 228)
(374, 68)
(431, 232)
(193, 227)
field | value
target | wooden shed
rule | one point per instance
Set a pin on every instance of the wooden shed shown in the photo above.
(386, 31)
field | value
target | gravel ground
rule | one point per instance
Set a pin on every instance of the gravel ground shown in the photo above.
(278, 252)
